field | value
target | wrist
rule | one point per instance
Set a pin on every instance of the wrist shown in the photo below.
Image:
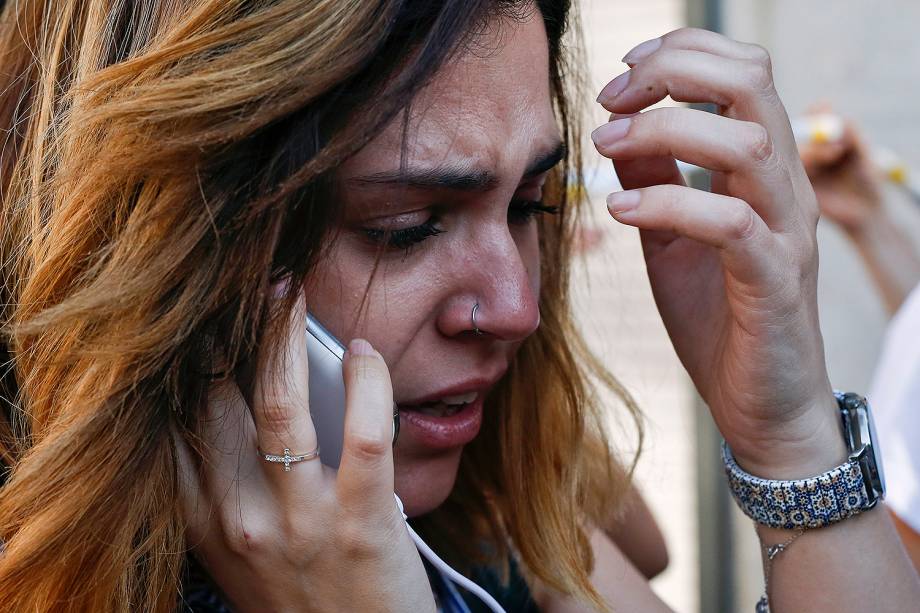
(809, 448)
(873, 228)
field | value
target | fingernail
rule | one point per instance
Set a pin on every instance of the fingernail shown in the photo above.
(359, 346)
(622, 202)
(611, 132)
(642, 51)
(614, 88)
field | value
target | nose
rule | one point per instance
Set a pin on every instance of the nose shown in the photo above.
(504, 282)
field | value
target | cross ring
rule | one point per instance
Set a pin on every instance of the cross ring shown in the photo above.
(288, 458)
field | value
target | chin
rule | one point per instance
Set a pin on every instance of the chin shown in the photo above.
(424, 483)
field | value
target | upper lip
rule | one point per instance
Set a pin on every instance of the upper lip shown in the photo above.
(477, 384)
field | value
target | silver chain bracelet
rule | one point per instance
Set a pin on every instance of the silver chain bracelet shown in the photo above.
(771, 551)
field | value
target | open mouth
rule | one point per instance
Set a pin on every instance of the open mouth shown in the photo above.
(445, 407)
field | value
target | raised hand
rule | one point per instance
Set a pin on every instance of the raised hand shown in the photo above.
(733, 271)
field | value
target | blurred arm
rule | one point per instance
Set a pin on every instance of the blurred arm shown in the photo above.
(890, 257)
(619, 583)
(636, 534)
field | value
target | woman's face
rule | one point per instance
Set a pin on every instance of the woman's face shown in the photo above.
(457, 227)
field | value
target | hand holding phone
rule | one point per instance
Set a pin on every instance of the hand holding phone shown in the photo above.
(283, 540)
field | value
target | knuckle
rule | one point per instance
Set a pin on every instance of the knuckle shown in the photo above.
(276, 415)
(761, 55)
(356, 540)
(365, 448)
(758, 76)
(300, 537)
(741, 221)
(759, 144)
(245, 540)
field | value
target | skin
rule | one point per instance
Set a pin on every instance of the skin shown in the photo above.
(635, 532)
(733, 274)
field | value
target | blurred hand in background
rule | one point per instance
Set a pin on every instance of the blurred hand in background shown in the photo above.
(849, 189)
(847, 184)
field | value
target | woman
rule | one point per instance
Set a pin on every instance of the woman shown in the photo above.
(183, 183)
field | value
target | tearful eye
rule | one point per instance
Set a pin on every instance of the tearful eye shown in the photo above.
(404, 238)
(522, 211)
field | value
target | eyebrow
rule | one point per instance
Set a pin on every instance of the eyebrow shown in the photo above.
(459, 178)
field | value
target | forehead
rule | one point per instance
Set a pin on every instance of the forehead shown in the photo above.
(490, 107)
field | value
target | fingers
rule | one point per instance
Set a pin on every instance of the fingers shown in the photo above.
(742, 150)
(281, 401)
(818, 156)
(365, 477)
(645, 171)
(747, 246)
(698, 40)
(703, 67)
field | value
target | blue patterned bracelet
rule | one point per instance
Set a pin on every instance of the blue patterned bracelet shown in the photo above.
(801, 503)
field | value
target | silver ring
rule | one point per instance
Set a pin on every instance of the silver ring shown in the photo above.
(473, 317)
(289, 458)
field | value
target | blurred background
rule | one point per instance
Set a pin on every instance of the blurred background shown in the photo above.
(863, 58)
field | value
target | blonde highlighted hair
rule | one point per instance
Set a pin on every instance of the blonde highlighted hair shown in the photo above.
(164, 163)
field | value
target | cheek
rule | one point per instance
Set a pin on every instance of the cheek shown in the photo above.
(387, 312)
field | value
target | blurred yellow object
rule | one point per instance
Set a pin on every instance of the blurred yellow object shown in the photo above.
(818, 129)
(898, 174)
(820, 136)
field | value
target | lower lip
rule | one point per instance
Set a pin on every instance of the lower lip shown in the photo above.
(443, 432)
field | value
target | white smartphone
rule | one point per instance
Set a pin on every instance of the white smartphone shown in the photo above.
(327, 392)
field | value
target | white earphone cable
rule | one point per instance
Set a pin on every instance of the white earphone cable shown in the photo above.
(446, 570)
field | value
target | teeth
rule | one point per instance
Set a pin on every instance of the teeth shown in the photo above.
(460, 399)
(440, 409)
(445, 407)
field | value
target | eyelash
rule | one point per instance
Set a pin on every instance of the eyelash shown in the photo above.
(522, 211)
(519, 213)
(405, 238)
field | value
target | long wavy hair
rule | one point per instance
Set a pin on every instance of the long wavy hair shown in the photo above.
(164, 163)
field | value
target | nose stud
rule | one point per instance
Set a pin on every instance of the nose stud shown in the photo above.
(473, 317)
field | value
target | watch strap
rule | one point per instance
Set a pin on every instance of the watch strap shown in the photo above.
(801, 503)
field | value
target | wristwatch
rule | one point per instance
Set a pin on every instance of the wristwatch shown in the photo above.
(846, 490)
